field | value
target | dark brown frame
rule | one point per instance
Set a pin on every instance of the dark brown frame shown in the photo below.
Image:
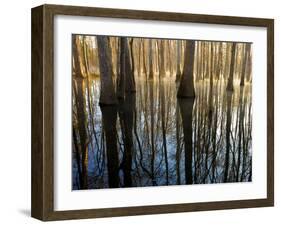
(42, 203)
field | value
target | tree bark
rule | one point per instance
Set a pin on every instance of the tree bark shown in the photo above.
(231, 72)
(186, 87)
(245, 62)
(150, 60)
(107, 94)
(121, 78)
(76, 59)
(162, 59)
(178, 73)
(143, 58)
(130, 63)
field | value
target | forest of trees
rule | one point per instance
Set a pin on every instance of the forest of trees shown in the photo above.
(149, 112)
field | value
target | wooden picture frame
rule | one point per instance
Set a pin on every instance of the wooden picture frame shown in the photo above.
(42, 203)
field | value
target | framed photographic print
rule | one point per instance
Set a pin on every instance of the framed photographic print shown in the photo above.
(141, 112)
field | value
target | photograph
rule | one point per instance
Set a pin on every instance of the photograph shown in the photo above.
(158, 112)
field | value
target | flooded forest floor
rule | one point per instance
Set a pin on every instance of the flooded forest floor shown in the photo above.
(153, 138)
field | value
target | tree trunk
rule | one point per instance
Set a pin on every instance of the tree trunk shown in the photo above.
(143, 59)
(178, 73)
(186, 87)
(231, 72)
(245, 61)
(121, 77)
(150, 60)
(76, 59)
(249, 67)
(130, 70)
(162, 59)
(107, 94)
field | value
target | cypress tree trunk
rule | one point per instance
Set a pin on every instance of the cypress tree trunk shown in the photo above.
(162, 59)
(130, 68)
(178, 73)
(245, 61)
(231, 72)
(150, 60)
(186, 87)
(76, 60)
(107, 93)
(121, 76)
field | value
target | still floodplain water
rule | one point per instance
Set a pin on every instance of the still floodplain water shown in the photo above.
(153, 138)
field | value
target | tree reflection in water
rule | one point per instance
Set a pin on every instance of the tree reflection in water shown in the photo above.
(153, 138)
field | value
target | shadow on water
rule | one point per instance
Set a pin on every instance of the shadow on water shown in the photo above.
(153, 138)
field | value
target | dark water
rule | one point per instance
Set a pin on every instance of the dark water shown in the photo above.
(153, 138)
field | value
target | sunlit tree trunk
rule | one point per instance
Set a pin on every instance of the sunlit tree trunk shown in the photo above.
(121, 77)
(130, 70)
(118, 56)
(76, 59)
(249, 67)
(219, 64)
(178, 58)
(139, 58)
(107, 93)
(245, 61)
(202, 61)
(227, 61)
(231, 72)
(162, 59)
(85, 56)
(158, 58)
(197, 60)
(211, 85)
(186, 87)
(143, 59)
(150, 60)
(170, 57)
